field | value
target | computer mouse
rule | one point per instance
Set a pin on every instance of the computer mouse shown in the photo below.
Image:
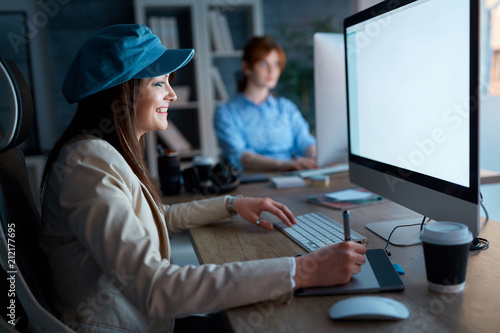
(369, 308)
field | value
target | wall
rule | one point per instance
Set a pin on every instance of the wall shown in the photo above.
(298, 17)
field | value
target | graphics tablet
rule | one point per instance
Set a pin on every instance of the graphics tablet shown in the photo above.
(377, 275)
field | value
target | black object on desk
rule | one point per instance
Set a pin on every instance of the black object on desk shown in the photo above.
(377, 275)
(219, 180)
(169, 172)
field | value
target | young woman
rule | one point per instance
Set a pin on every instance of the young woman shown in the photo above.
(104, 229)
(257, 131)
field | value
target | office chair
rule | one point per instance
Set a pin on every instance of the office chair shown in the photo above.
(6, 327)
(21, 256)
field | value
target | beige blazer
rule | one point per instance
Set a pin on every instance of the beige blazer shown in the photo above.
(101, 232)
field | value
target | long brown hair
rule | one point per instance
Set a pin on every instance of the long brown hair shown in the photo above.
(255, 50)
(115, 106)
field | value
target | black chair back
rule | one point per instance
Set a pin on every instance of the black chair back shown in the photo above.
(19, 215)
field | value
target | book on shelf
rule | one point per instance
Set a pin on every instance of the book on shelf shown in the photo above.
(220, 88)
(166, 29)
(215, 31)
(226, 33)
(219, 31)
(345, 199)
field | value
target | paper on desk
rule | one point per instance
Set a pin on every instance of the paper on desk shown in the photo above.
(288, 181)
(349, 195)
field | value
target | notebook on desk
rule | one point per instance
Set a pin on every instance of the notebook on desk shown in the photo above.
(377, 275)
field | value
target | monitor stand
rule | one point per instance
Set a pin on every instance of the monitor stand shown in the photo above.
(402, 236)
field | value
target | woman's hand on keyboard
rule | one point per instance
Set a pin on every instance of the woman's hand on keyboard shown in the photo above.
(329, 265)
(250, 209)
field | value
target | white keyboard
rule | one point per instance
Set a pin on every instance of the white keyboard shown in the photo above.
(341, 167)
(314, 230)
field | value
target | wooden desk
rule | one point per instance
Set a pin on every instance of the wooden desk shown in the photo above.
(477, 309)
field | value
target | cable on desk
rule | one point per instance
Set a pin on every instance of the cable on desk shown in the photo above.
(402, 226)
(479, 243)
(484, 208)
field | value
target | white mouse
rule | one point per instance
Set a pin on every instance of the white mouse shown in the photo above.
(369, 308)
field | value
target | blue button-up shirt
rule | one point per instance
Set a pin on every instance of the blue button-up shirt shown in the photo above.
(275, 128)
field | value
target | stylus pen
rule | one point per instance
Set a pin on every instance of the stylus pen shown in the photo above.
(347, 225)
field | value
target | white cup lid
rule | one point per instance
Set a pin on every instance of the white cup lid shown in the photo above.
(446, 233)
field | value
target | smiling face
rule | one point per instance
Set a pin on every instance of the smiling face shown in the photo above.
(265, 72)
(154, 98)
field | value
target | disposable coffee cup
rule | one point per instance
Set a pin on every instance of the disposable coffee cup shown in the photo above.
(446, 250)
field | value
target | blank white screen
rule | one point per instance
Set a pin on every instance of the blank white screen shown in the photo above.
(409, 89)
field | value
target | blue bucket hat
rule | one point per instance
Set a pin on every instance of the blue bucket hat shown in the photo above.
(117, 54)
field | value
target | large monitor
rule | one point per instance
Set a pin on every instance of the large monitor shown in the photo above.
(330, 98)
(412, 69)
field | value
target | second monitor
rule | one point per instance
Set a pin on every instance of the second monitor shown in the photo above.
(330, 98)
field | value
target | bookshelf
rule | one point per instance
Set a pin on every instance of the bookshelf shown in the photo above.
(217, 30)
